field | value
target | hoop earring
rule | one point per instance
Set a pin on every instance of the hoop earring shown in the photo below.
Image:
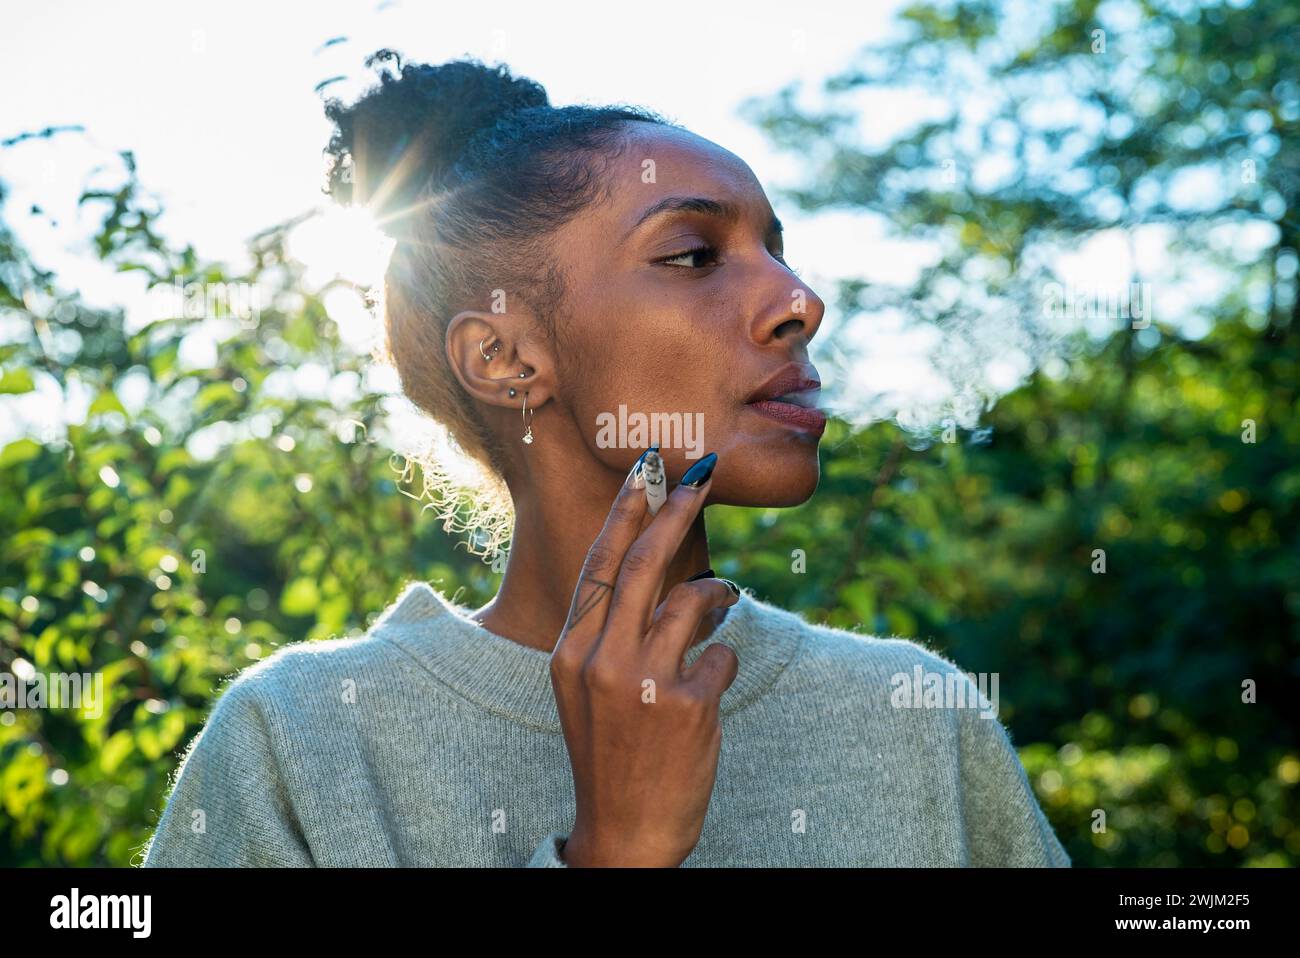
(495, 348)
(528, 420)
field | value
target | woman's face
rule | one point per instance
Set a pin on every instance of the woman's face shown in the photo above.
(693, 314)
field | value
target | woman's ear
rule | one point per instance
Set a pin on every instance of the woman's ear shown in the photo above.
(492, 353)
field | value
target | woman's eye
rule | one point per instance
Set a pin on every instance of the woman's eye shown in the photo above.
(690, 253)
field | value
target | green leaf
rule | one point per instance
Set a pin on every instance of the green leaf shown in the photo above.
(17, 381)
(20, 450)
(115, 750)
(214, 394)
(106, 401)
(300, 597)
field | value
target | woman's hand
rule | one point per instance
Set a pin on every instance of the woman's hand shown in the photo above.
(643, 734)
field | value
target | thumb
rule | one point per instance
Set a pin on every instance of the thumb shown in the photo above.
(714, 670)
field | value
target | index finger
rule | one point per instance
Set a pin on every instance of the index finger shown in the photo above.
(599, 570)
(641, 576)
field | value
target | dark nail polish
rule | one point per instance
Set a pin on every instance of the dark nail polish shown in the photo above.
(735, 589)
(641, 459)
(699, 473)
(706, 574)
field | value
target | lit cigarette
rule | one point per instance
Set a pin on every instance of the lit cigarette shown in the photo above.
(656, 484)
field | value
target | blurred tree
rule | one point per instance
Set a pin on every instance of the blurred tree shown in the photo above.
(1043, 126)
(170, 545)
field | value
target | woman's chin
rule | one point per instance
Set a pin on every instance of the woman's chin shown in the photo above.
(778, 483)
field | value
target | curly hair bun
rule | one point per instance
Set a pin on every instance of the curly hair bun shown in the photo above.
(401, 139)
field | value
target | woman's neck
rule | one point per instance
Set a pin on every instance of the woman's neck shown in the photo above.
(548, 548)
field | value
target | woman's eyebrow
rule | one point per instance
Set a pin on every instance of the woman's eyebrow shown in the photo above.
(696, 204)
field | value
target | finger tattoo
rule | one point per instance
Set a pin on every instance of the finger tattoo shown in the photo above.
(584, 602)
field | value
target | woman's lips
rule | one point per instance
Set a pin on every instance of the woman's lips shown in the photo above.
(801, 417)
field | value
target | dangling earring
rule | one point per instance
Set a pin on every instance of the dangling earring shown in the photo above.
(528, 421)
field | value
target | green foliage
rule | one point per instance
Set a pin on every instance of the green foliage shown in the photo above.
(1134, 676)
(1129, 681)
(126, 554)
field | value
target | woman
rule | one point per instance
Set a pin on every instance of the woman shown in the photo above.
(615, 703)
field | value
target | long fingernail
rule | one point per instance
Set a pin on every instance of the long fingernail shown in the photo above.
(638, 481)
(634, 474)
(731, 585)
(699, 473)
(706, 574)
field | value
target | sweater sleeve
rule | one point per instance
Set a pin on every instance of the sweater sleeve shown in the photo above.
(229, 806)
(548, 852)
(1004, 822)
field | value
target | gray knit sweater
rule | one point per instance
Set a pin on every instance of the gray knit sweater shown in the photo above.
(430, 741)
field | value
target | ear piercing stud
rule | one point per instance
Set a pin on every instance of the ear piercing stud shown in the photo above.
(525, 412)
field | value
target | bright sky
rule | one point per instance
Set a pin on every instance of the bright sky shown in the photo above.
(216, 101)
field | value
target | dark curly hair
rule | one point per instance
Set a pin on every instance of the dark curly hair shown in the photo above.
(470, 170)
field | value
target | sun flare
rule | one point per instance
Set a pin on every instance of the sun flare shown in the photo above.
(341, 242)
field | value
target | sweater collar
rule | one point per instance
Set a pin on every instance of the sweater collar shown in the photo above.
(514, 680)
